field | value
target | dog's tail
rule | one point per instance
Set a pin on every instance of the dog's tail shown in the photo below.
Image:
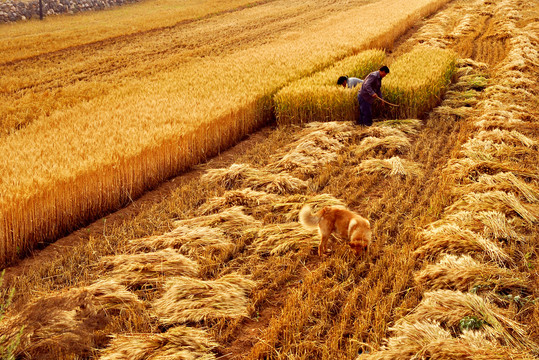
(307, 219)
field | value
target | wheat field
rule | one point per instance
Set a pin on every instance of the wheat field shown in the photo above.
(147, 106)
(220, 268)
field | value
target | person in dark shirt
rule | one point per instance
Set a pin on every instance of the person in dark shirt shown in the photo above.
(370, 90)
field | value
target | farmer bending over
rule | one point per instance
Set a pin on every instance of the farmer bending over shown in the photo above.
(370, 90)
(349, 82)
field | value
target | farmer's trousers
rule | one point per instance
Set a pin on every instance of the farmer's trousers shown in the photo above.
(365, 116)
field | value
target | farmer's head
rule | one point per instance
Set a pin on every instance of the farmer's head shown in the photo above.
(384, 70)
(342, 81)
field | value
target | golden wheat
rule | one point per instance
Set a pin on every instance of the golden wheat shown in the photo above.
(417, 81)
(148, 269)
(188, 239)
(427, 339)
(497, 200)
(316, 146)
(278, 239)
(32, 38)
(450, 307)
(463, 273)
(319, 98)
(180, 342)
(390, 167)
(61, 322)
(252, 200)
(242, 175)
(192, 300)
(491, 224)
(81, 161)
(503, 181)
(452, 239)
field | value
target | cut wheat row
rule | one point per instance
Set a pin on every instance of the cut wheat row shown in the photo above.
(479, 294)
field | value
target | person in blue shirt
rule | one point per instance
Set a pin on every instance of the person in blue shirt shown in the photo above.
(348, 82)
(370, 90)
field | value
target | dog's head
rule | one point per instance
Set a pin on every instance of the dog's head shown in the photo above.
(360, 238)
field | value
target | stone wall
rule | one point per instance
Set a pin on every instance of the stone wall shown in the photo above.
(12, 10)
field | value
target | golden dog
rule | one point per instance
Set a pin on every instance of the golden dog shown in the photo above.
(344, 222)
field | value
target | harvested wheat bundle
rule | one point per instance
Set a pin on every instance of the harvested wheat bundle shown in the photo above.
(400, 144)
(461, 112)
(309, 154)
(339, 130)
(281, 183)
(452, 239)
(317, 145)
(177, 237)
(466, 25)
(232, 221)
(466, 168)
(181, 343)
(476, 65)
(501, 201)
(230, 177)
(473, 81)
(305, 161)
(518, 79)
(453, 308)
(148, 269)
(460, 72)
(242, 175)
(497, 119)
(249, 198)
(497, 226)
(428, 340)
(504, 109)
(504, 136)
(407, 126)
(490, 224)
(487, 349)
(390, 167)
(193, 300)
(288, 209)
(278, 239)
(503, 181)
(62, 324)
(325, 134)
(491, 108)
(463, 273)
(503, 92)
(408, 340)
(459, 99)
(488, 150)
(523, 56)
(382, 132)
(193, 241)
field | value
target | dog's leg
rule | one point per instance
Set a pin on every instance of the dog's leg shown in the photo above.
(324, 229)
(323, 245)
